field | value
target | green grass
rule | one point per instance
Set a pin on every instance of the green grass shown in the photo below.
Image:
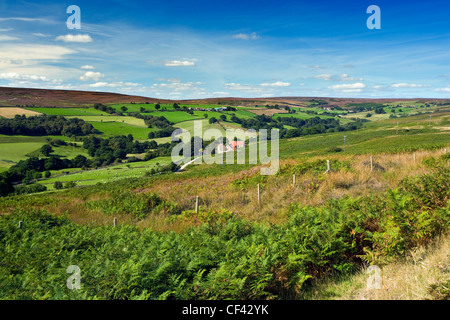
(70, 111)
(174, 116)
(16, 148)
(120, 119)
(18, 151)
(117, 128)
(221, 126)
(304, 116)
(69, 152)
(90, 177)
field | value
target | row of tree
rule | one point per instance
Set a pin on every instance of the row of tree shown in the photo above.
(45, 125)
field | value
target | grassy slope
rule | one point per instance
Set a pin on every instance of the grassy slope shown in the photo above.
(214, 183)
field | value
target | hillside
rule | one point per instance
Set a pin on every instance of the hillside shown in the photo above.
(66, 98)
(110, 195)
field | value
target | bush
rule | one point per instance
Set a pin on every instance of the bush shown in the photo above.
(70, 184)
(58, 185)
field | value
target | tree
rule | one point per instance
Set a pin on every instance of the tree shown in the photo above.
(223, 117)
(46, 150)
(157, 106)
(124, 109)
(47, 174)
(70, 184)
(212, 120)
(205, 115)
(58, 185)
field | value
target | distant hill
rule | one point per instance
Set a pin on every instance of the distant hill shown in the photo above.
(73, 98)
(65, 98)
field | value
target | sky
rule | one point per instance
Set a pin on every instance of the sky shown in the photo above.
(202, 49)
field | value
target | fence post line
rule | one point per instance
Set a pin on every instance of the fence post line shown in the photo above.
(196, 204)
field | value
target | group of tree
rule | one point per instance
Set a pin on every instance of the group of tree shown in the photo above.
(45, 125)
(107, 109)
(302, 126)
(108, 150)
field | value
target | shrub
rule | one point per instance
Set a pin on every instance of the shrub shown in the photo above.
(58, 185)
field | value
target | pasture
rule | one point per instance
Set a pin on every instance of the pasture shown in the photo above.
(70, 111)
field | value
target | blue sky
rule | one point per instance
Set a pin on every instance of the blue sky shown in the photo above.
(199, 49)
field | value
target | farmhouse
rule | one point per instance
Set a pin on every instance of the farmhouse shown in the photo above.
(232, 146)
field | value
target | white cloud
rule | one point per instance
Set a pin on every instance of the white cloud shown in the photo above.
(6, 29)
(179, 63)
(276, 84)
(26, 78)
(113, 84)
(91, 75)
(38, 34)
(324, 76)
(244, 36)
(445, 89)
(342, 77)
(349, 87)
(80, 38)
(7, 38)
(87, 67)
(408, 85)
(346, 77)
(33, 52)
(25, 19)
(176, 85)
(243, 87)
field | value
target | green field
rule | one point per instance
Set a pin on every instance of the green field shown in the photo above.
(118, 128)
(70, 111)
(112, 173)
(120, 119)
(18, 151)
(222, 127)
(173, 116)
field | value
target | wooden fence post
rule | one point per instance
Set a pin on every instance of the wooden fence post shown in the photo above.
(293, 180)
(196, 204)
(20, 224)
(115, 222)
(371, 163)
(414, 158)
(259, 194)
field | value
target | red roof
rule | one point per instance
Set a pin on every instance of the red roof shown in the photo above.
(236, 144)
